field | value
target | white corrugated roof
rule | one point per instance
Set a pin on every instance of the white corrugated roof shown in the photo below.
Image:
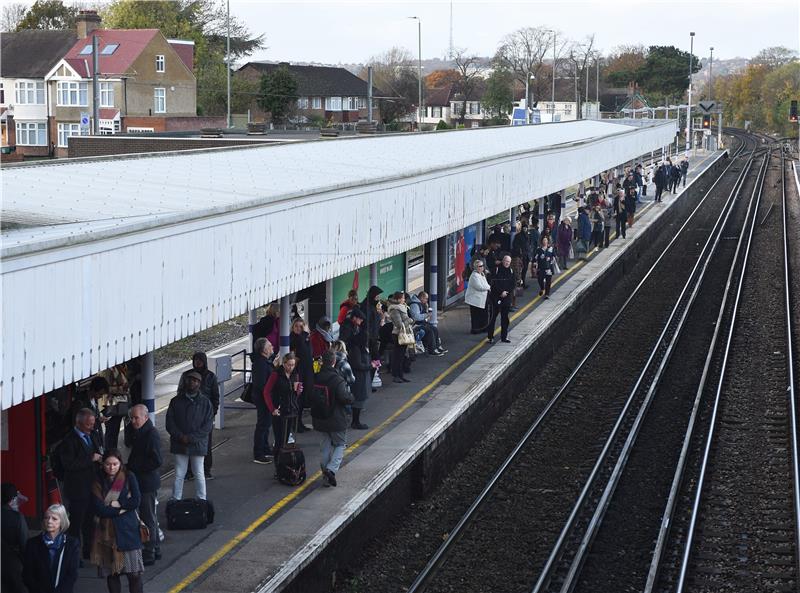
(102, 194)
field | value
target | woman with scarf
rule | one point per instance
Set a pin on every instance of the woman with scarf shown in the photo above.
(321, 338)
(51, 558)
(117, 545)
(300, 345)
(401, 323)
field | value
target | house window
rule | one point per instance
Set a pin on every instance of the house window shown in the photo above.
(72, 93)
(109, 49)
(160, 100)
(136, 130)
(436, 112)
(67, 130)
(333, 103)
(87, 49)
(31, 133)
(159, 63)
(109, 126)
(317, 102)
(302, 103)
(362, 102)
(29, 92)
(106, 94)
(568, 108)
(474, 107)
(2, 94)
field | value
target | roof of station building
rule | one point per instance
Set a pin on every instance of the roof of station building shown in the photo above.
(59, 202)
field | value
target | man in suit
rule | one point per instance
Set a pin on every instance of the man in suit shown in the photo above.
(79, 453)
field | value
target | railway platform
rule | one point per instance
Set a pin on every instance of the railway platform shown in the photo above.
(265, 533)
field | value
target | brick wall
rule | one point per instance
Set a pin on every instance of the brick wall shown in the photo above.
(83, 146)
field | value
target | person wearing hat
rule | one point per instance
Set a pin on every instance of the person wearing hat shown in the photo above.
(564, 241)
(14, 532)
(209, 387)
(190, 417)
(354, 336)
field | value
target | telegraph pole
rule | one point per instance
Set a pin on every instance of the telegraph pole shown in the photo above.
(689, 106)
(228, 61)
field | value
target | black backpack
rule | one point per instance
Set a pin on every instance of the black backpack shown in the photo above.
(321, 402)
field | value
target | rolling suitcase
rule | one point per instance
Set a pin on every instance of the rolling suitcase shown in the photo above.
(290, 466)
(189, 513)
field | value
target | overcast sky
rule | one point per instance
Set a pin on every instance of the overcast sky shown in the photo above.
(333, 31)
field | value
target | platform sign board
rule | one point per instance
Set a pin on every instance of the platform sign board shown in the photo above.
(391, 278)
(707, 106)
(518, 117)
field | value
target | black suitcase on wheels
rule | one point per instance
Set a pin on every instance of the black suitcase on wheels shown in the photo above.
(189, 513)
(290, 466)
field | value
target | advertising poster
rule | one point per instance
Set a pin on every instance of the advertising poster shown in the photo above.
(459, 246)
(391, 278)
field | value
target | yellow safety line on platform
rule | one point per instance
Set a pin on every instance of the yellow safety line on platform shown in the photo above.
(274, 509)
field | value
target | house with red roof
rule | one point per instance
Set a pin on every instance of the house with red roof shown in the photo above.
(144, 78)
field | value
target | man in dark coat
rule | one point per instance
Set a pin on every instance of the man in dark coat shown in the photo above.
(209, 386)
(78, 456)
(684, 170)
(190, 416)
(355, 338)
(334, 426)
(502, 287)
(144, 462)
(14, 536)
(660, 179)
(372, 323)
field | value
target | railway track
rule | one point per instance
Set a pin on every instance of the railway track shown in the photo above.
(583, 427)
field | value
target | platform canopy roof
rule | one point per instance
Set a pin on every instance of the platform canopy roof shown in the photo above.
(130, 253)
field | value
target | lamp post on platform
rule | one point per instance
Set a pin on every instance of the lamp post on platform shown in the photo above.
(419, 71)
(689, 106)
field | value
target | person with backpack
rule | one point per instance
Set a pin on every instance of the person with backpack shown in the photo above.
(329, 416)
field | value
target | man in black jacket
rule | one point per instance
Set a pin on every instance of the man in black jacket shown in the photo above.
(209, 387)
(502, 287)
(78, 456)
(144, 462)
(333, 422)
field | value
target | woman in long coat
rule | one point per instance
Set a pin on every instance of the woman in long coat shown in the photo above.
(476, 297)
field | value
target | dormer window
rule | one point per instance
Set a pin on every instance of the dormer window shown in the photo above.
(159, 63)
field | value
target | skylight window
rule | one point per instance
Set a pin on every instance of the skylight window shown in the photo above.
(87, 49)
(109, 49)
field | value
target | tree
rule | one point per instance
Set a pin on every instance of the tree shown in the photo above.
(395, 75)
(624, 64)
(665, 74)
(774, 57)
(523, 52)
(469, 68)
(13, 13)
(278, 93)
(440, 78)
(498, 97)
(580, 56)
(204, 22)
(48, 15)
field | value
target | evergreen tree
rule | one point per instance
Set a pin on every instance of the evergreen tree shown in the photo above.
(278, 93)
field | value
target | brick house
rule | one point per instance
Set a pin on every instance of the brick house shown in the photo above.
(144, 78)
(333, 93)
(27, 57)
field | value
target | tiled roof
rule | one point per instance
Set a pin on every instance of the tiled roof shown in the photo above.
(130, 44)
(185, 51)
(319, 81)
(439, 97)
(32, 53)
(108, 113)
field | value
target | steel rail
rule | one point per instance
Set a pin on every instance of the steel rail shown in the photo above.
(672, 498)
(792, 392)
(717, 396)
(605, 500)
(423, 578)
(704, 258)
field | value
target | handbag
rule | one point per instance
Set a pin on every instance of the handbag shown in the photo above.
(144, 530)
(247, 393)
(405, 337)
(556, 267)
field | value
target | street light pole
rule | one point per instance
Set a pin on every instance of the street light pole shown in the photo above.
(597, 84)
(689, 106)
(419, 71)
(711, 75)
(553, 96)
(228, 60)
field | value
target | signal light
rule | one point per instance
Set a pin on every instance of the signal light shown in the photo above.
(793, 112)
(706, 122)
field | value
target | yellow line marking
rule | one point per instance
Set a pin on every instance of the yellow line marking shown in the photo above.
(278, 506)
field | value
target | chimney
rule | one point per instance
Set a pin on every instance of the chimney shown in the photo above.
(86, 22)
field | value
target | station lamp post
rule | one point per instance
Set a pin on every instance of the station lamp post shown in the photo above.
(419, 71)
(689, 106)
(711, 75)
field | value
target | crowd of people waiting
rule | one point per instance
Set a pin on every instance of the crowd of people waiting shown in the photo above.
(109, 511)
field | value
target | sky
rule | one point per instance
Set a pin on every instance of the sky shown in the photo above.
(337, 32)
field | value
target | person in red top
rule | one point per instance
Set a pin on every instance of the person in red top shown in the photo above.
(321, 338)
(349, 303)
